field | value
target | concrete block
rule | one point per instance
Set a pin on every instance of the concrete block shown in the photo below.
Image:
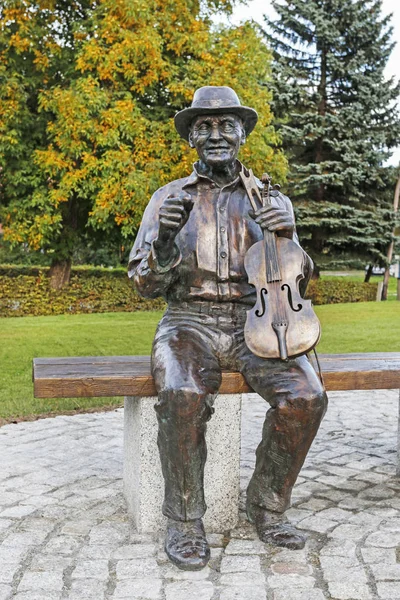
(143, 481)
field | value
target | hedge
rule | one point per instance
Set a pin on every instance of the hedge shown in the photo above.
(91, 290)
(332, 291)
(25, 291)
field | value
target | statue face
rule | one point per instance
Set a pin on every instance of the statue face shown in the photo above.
(217, 138)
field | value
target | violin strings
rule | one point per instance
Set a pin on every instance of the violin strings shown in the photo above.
(271, 256)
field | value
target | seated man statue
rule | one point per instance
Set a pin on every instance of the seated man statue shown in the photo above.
(190, 250)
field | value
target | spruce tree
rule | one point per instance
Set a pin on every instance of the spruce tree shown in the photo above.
(339, 120)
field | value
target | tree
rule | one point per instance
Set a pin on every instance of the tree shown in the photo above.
(38, 42)
(111, 137)
(338, 120)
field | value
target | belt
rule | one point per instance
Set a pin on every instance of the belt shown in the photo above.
(211, 308)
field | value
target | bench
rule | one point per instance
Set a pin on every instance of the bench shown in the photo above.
(130, 376)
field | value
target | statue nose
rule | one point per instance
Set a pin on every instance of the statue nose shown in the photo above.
(215, 133)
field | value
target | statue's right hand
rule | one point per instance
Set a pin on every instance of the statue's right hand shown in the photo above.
(174, 214)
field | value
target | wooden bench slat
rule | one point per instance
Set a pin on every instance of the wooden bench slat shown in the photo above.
(87, 376)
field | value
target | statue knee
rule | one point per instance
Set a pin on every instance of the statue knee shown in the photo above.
(309, 408)
(188, 403)
(314, 406)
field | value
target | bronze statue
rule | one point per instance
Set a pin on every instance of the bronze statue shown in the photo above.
(191, 249)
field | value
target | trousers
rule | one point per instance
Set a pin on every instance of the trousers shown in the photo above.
(194, 342)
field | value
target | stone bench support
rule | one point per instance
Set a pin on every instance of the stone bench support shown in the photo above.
(143, 481)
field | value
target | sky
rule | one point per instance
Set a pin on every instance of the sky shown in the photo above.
(256, 8)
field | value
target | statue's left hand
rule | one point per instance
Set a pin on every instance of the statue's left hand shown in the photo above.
(278, 220)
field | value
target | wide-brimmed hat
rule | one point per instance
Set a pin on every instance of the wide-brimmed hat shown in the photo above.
(214, 100)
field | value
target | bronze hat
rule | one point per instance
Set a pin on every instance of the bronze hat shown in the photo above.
(213, 100)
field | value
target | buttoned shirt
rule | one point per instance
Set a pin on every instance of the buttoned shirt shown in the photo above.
(209, 251)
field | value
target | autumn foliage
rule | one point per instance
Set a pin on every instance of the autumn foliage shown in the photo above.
(108, 139)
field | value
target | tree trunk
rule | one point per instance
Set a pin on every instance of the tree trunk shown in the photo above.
(316, 274)
(368, 273)
(391, 245)
(60, 273)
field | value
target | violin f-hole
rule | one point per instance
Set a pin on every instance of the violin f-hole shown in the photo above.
(290, 299)
(263, 292)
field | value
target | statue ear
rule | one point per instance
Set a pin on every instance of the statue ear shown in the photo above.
(243, 138)
(190, 138)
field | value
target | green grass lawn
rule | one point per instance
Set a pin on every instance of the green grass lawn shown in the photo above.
(362, 327)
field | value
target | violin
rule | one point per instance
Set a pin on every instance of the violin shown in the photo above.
(281, 324)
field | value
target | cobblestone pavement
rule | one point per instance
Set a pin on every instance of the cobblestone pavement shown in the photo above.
(64, 532)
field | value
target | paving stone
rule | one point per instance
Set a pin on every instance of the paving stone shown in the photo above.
(291, 568)
(379, 555)
(184, 589)
(79, 527)
(347, 531)
(351, 503)
(17, 511)
(12, 555)
(235, 564)
(392, 525)
(335, 514)
(23, 540)
(242, 578)
(138, 567)
(172, 572)
(291, 581)
(44, 580)
(298, 595)
(7, 573)
(243, 593)
(378, 493)
(47, 562)
(91, 569)
(315, 504)
(296, 514)
(349, 590)
(5, 592)
(63, 544)
(335, 567)
(346, 548)
(95, 552)
(383, 539)
(366, 519)
(246, 547)
(134, 551)
(386, 572)
(6, 524)
(146, 589)
(35, 595)
(108, 533)
(317, 524)
(388, 590)
(284, 555)
(86, 589)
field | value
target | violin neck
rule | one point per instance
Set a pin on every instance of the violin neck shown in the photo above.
(271, 251)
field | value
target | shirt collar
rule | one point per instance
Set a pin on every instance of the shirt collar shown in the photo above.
(195, 177)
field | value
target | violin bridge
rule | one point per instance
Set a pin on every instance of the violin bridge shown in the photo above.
(280, 330)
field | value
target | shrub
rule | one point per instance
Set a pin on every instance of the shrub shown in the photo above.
(332, 291)
(25, 291)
